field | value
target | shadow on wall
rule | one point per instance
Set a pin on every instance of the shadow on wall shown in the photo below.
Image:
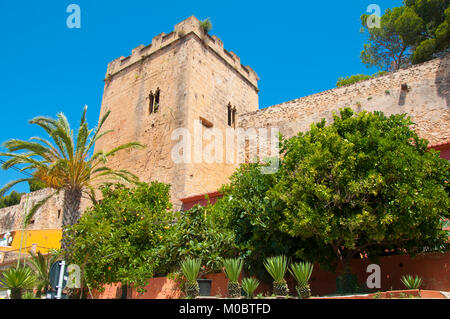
(443, 78)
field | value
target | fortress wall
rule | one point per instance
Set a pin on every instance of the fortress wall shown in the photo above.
(11, 218)
(426, 101)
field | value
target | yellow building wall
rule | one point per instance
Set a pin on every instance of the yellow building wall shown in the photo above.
(45, 239)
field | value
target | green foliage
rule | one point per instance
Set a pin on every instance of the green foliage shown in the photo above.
(206, 25)
(117, 239)
(17, 279)
(411, 282)
(252, 217)
(364, 183)
(276, 267)
(197, 234)
(36, 185)
(29, 295)
(301, 271)
(10, 200)
(413, 33)
(357, 78)
(233, 268)
(250, 285)
(191, 268)
(41, 265)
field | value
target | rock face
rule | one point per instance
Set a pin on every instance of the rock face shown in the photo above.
(156, 94)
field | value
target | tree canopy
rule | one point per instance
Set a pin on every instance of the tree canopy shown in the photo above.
(116, 239)
(412, 33)
(365, 183)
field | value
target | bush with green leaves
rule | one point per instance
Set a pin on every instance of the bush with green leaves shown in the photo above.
(277, 267)
(233, 268)
(411, 282)
(191, 268)
(250, 284)
(117, 239)
(10, 200)
(365, 183)
(342, 81)
(196, 234)
(302, 273)
(17, 279)
(206, 25)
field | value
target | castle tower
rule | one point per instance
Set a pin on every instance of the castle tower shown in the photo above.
(181, 77)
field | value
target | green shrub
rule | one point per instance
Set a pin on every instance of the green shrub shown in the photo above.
(250, 285)
(17, 279)
(411, 282)
(206, 25)
(276, 267)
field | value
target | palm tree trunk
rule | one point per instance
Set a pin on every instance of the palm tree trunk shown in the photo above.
(71, 212)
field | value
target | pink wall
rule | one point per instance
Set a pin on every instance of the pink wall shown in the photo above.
(434, 268)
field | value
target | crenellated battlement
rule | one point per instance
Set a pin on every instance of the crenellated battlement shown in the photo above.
(189, 26)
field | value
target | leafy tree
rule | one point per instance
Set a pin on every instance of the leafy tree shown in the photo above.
(116, 239)
(196, 234)
(365, 183)
(255, 220)
(10, 200)
(65, 163)
(413, 33)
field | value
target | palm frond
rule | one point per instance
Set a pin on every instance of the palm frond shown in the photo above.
(276, 267)
(11, 184)
(233, 268)
(35, 208)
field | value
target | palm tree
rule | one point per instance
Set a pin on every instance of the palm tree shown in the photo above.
(41, 265)
(65, 163)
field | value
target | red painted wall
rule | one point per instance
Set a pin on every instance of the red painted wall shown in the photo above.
(434, 268)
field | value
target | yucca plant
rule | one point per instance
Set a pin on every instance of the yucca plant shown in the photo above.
(191, 268)
(276, 267)
(64, 163)
(250, 285)
(302, 273)
(17, 279)
(233, 268)
(411, 282)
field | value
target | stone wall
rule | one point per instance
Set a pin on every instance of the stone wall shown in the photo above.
(425, 99)
(48, 216)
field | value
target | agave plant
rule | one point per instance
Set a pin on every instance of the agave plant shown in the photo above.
(233, 268)
(411, 282)
(302, 272)
(191, 268)
(17, 280)
(249, 285)
(64, 163)
(276, 267)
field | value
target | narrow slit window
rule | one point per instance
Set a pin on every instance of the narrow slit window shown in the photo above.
(229, 115)
(156, 106)
(233, 118)
(150, 103)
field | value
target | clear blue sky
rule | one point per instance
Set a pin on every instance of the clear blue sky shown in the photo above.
(296, 47)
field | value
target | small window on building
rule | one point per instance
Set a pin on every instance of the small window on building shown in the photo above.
(59, 213)
(231, 116)
(153, 101)
(156, 107)
(151, 98)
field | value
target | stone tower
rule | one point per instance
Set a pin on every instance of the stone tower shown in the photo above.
(181, 77)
